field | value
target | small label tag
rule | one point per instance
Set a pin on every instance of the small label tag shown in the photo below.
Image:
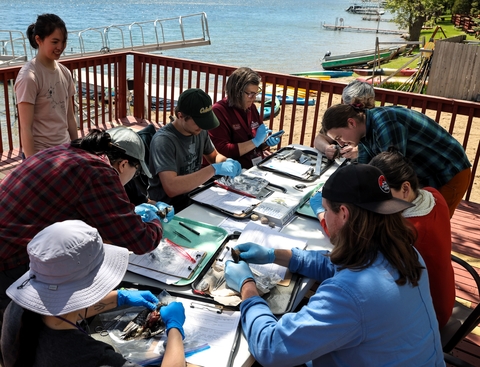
(52, 287)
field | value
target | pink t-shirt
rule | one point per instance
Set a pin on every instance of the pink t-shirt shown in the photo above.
(50, 92)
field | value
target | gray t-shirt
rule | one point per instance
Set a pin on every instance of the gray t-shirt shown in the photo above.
(172, 151)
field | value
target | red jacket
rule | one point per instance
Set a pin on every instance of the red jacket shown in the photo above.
(236, 126)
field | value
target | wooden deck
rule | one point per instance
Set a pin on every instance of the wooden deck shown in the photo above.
(465, 243)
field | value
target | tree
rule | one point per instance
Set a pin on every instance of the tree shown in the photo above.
(412, 14)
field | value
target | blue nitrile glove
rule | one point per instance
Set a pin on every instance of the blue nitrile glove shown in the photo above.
(236, 274)
(168, 209)
(228, 168)
(261, 135)
(148, 212)
(316, 203)
(272, 141)
(136, 298)
(173, 316)
(255, 254)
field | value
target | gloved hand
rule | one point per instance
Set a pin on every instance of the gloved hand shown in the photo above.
(173, 316)
(316, 203)
(236, 274)
(148, 212)
(255, 254)
(136, 298)
(272, 141)
(228, 168)
(167, 209)
(261, 135)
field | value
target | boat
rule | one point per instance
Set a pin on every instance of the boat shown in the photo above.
(267, 108)
(330, 73)
(288, 99)
(356, 58)
(385, 71)
(369, 9)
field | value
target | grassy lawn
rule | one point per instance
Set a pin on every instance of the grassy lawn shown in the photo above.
(449, 30)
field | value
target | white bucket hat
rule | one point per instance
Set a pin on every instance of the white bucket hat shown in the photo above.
(70, 269)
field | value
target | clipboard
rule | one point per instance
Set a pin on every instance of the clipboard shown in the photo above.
(296, 163)
(231, 203)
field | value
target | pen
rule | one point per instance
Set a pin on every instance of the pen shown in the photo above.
(180, 250)
(189, 228)
(182, 236)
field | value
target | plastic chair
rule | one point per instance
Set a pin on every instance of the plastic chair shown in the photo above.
(462, 321)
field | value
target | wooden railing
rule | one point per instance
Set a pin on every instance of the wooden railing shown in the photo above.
(158, 81)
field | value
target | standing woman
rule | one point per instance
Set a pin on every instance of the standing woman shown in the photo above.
(44, 89)
(241, 134)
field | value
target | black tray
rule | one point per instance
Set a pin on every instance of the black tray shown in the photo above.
(280, 299)
(306, 157)
(265, 192)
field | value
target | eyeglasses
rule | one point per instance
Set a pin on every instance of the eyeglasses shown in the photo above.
(138, 169)
(253, 94)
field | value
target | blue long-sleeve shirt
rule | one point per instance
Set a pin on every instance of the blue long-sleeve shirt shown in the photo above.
(355, 318)
(435, 154)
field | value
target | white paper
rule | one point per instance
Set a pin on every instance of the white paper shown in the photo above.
(225, 200)
(218, 330)
(232, 225)
(265, 237)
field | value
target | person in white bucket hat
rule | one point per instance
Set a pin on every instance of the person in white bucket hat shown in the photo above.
(71, 277)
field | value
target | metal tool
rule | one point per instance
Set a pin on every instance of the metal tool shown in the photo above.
(318, 164)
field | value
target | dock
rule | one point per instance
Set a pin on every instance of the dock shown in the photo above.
(362, 29)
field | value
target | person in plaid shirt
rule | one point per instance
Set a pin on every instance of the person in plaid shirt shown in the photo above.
(438, 159)
(79, 180)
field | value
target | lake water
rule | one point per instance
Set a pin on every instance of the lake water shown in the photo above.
(272, 35)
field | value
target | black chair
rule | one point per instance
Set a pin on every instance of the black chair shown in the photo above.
(462, 321)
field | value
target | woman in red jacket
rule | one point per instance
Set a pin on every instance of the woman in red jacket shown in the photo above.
(431, 218)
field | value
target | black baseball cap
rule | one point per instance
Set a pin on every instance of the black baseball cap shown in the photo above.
(196, 103)
(364, 186)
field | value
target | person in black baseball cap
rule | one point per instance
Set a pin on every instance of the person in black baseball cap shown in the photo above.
(373, 288)
(177, 152)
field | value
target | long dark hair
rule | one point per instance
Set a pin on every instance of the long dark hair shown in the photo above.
(237, 82)
(396, 168)
(358, 242)
(45, 25)
(100, 142)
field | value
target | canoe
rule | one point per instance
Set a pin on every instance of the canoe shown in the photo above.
(385, 71)
(330, 73)
(288, 99)
(349, 60)
(378, 79)
(267, 108)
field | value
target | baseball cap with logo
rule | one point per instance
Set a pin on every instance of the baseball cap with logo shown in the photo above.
(133, 144)
(364, 186)
(196, 103)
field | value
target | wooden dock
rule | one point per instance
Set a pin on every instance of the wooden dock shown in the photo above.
(335, 27)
